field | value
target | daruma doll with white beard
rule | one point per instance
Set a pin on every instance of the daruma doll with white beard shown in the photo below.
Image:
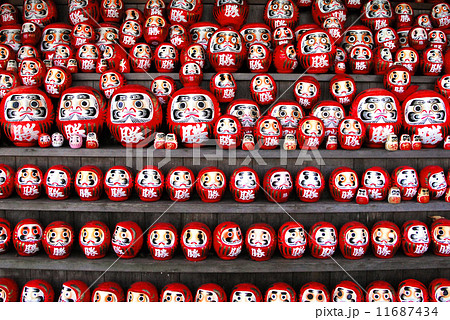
(226, 50)
(278, 185)
(211, 184)
(316, 51)
(244, 184)
(247, 111)
(343, 184)
(288, 113)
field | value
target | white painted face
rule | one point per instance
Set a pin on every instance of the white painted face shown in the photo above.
(281, 180)
(245, 180)
(442, 234)
(191, 68)
(313, 295)
(310, 179)
(407, 178)
(104, 296)
(385, 34)
(440, 10)
(330, 115)
(117, 178)
(131, 108)
(2, 177)
(172, 296)
(386, 54)
(246, 113)
(78, 106)
(435, 56)
(243, 296)
(377, 109)
(342, 294)
(194, 238)
(361, 53)
(357, 237)
(317, 42)
(418, 234)
(259, 238)
(424, 111)
(57, 178)
(262, 84)
(166, 52)
(67, 295)
(378, 9)
(306, 89)
(437, 181)
(25, 107)
(181, 179)
(227, 126)
(269, 127)
(385, 236)
(326, 237)
(32, 294)
(443, 294)
(86, 179)
(256, 51)
(257, 36)
(351, 127)
(374, 179)
(149, 178)
(206, 296)
(224, 80)
(54, 36)
(295, 237)
(278, 296)
(192, 108)
(343, 88)
(346, 180)
(380, 295)
(29, 176)
(212, 180)
(162, 238)
(202, 35)
(225, 41)
(289, 115)
(410, 294)
(122, 236)
(330, 5)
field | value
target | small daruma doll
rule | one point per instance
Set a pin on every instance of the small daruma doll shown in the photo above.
(27, 237)
(32, 72)
(386, 239)
(94, 239)
(351, 133)
(439, 290)
(156, 29)
(29, 182)
(331, 113)
(377, 14)
(361, 59)
(185, 13)
(432, 62)
(288, 114)
(321, 10)
(354, 240)
(268, 132)
(280, 292)
(278, 185)
(56, 81)
(323, 240)
(9, 291)
(247, 111)
(6, 181)
(292, 239)
(176, 292)
(415, 238)
(5, 235)
(112, 10)
(228, 132)
(348, 291)
(433, 178)
(180, 183)
(149, 183)
(310, 132)
(314, 292)
(380, 291)
(263, 89)
(196, 241)
(377, 182)
(343, 89)
(226, 50)
(58, 182)
(118, 183)
(230, 12)
(383, 60)
(404, 15)
(397, 79)
(108, 292)
(211, 184)
(227, 240)
(133, 115)
(259, 58)
(223, 86)
(8, 81)
(210, 292)
(58, 240)
(343, 184)
(142, 291)
(309, 184)
(407, 180)
(411, 290)
(179, 36)
(316, 51)
(245, 292)
(244, 184)
(440, 236)
(162, 241)
(74, 291)
(163, 88)
(427, 113)
(110, 81)
(89, 183)
(141, 57)
(127, 239)
(281, 13)
(37, 291)
(409, 58)
(307, 91)
(261, 241)
(166, 57)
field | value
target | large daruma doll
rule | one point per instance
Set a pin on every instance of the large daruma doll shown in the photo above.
(134, 114)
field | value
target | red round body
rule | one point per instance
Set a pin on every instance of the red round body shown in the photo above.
(407, 180)
(56, 81)
(110, 81)
(87, 56)
(268, 132)
(340, 61)
(227, 240)
(10, 35)
(415, 238)
(280, 292)
(156, 29)
(247, 112)
(331, 113)
(9, 14)
(310, 132)
(354, 240)
(431, 122)
(283, 35)
(176, 292)
(261, 241)
(82, 33)
(309, 184)
(191, 75)
(142, 291)
(409, 58)
(40, 12)
(439, 290)
(180, 183)
(288, 113)
(107, 33)
(179, 36)
(377, 182)
(58, 182)
(314, 292)
(307, 91)
(9, 291)
(87, 11)
(321, 10)
(432, 62)
(94, 239)
(27, 237)
(127, 239)
(81, 110)
(278, 185)
(360, 59)
(404, 15)
(163, 87)
(7, 175)
(201, 32)
(257, 33)
(118, 183)
(323, 240)
(108, 292)
(192, 121)
(440, 15)
(285, 59)
(7, 54)
(210, 292)
(31, 34)
(380, 112)
(387, 38)
(211, 184)
(89, 183)
(141, 57)
(74, 291)
(440, 236)
(112, 10)
(377, 14)
(29, 182)
(223, 86)
(343, 183)
(380, 291)
(386, 239)
(292, 240)
(383, 60)
(185, 13)
(32, 72)
(348, 291)
(397, 79)
(193, 53)
(263, 89)
(433, 178)
(343, 89)
(281, 13)
(226, 50)
(437, 39)
(166, 57)
(195, 241)
(162, 241)
(259, 58)
(244, 184)
(231, 12)
(37, 291)
(351, 133)
(5, 240)
(316, 51)
(411, 290)
(228, 132)
(58, 240)
(133, 115)
(149, 183)
(53, 35)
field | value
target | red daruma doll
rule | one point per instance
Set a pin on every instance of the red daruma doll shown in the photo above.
(347, 291)
(180, 183)
(377, 182)
(261, 241)
(351, 133)
(5, 236)
(227, 240)
(162, 241)
(245, 292)
(196, 241)
(277, 185)
(118, 183)
(244, 184)
(228, 132)
(94, 239)
(268, 132)
(58, 240)
(343, 184)
(310, 132)
(9, 291)
(309, 184)
(353, 240)
(415, 238)
(127, 239)
(288, 113)
(27, 237)
(380, 291)
(230, 12)
(411, 290)
(226, 50)
(292, 240)
(210, 292)
(58, 182)
(314, 292)
(211, 184)
(142, 291)
(386, 239)
(74, 291)
(108, 292)
(176, 292)
(433, 178)
(407, 180)
(149, 183)
(315, 51)
(322, 240)
(29, 182)
(440, 236)
(6, 181)
(89, 183)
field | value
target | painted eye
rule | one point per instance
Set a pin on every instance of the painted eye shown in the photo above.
(435, 107)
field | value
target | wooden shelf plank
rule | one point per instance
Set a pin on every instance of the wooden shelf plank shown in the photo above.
(243, 264)
(225, 206)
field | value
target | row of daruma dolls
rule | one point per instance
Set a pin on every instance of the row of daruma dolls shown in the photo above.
(196, 239)
(409, 290)
(118, 182)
